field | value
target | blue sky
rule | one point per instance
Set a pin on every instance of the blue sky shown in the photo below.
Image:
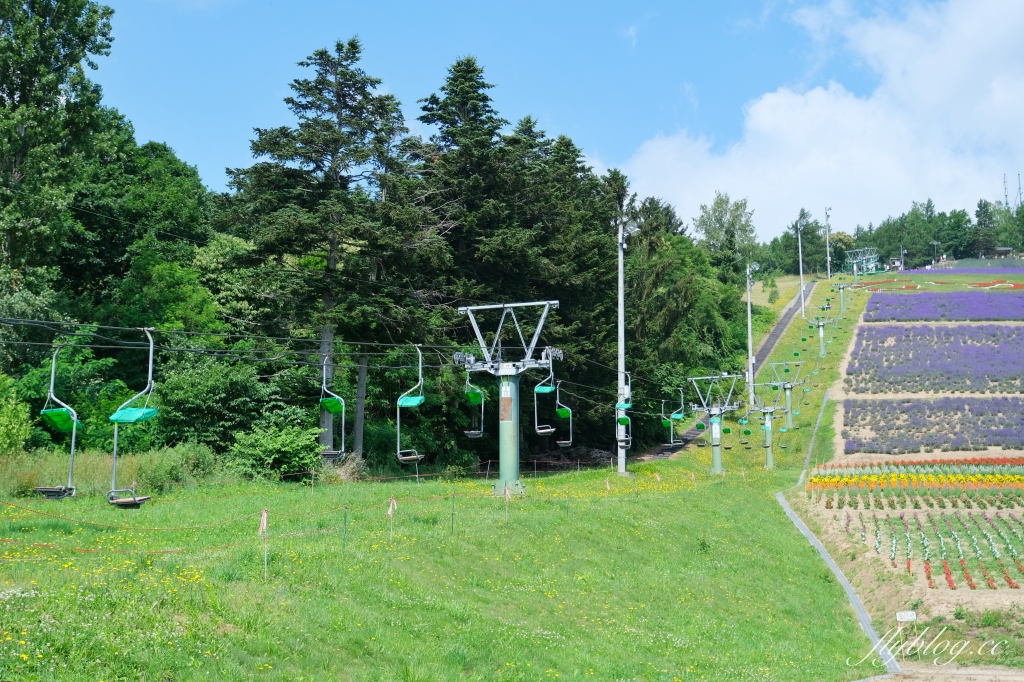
(629, 82)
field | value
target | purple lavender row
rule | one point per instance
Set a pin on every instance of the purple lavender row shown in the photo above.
(958, 359)
(957, 305)
(899, 426)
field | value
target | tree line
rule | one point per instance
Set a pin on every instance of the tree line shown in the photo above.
(347, 240)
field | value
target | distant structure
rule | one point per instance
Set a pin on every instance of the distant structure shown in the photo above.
(865, 260)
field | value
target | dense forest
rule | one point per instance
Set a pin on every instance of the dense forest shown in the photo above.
(924, 233)
(345, 242)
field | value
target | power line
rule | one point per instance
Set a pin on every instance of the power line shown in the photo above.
(45, 323)
(196, 351)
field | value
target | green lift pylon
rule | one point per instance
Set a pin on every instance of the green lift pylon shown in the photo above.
(767, 402)
(821, 323)
(715, 401)
(784, 376)
(507, 373)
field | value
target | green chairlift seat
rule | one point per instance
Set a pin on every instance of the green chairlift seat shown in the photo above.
(133, 415)
(563, 412)
(60, 419)
(411, 401)
(332, 405)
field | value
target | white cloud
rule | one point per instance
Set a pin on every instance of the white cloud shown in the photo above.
(944, 123)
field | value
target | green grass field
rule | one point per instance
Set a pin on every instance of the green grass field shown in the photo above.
(675, 580)
(692, 577)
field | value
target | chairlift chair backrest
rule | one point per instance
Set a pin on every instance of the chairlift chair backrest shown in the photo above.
(334, 404)
(475, 396)
(412, 398)
(546, 385)
(65, 420)
(563, 412)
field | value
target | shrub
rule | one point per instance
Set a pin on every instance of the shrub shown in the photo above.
(160, 469)
(15, 422)
(267, 450)
(209, 402)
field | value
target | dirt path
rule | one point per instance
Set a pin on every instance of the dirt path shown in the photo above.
(870, 457)
(927, 672)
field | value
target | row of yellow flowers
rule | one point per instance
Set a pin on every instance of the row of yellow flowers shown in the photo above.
(914, 481)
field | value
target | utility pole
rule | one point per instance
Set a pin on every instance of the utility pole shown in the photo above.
(751, 268)
(800, 253)
(624, 390)
(828, 255)
(935, 251)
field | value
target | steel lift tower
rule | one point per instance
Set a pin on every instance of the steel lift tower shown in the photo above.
(508, 373)
(715, 401)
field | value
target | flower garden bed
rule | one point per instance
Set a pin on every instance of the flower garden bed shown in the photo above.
(970, 358)
(958, 305)
(961, 518)
(894, 426)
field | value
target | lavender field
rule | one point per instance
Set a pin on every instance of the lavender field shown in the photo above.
(958, 305)
(900, 426)
(915, 358)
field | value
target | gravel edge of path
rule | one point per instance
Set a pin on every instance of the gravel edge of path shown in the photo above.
(862, 615)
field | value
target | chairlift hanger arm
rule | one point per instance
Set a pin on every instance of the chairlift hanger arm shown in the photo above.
(149, 385)
(51, 395)
(323, 384)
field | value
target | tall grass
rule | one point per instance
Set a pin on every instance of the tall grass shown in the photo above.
(152, 471)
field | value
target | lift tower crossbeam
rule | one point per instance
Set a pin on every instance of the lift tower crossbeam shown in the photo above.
(507, 374)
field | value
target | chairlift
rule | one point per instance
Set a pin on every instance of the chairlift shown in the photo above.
(334, 404)
(547, 385)
(626, 439)
(700, 426)
(627, 399)
(782, 439)
(726, 431)
(65, 420)
(679, 414)
(475, 396)
(409, 400)
(132, 415)
(563, 412)
(667, 423)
